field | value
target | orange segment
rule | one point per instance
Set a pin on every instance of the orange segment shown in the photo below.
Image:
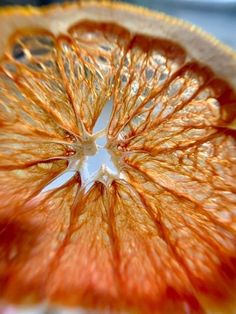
(33, 60)
(145, 69)
(31, 241)
(21, 184)
(87, 253)
(171, 113)
(202, 245)
(157, 235)
(29, 134)
(145, 265)
(90, 62)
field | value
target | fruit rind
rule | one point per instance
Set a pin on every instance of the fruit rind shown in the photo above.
(199, 45)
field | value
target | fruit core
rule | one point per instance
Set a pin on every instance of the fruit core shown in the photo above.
(95, 160)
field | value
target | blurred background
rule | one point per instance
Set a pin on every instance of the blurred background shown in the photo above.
(217, 17)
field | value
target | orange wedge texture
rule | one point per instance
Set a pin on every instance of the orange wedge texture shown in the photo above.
(159, 237)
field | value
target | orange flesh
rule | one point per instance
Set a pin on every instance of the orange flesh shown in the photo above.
(152, 240)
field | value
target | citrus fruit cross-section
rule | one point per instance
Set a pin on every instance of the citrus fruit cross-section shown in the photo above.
(117, 162)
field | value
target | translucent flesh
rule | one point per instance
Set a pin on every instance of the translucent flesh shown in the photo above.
(158, 236)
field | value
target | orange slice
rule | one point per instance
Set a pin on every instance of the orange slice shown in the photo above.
(132, 212)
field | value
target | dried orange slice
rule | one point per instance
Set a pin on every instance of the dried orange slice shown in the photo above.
(132, 212)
